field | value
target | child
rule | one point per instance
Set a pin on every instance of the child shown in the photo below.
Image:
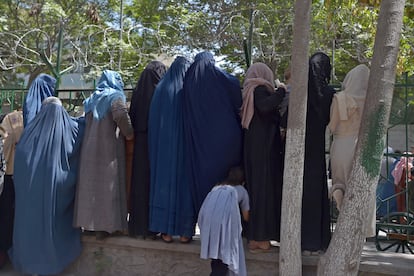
(220, 225)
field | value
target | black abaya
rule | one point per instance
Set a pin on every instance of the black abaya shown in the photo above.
(140, 104)
(316, 233)
(6, 213)
(263, 166)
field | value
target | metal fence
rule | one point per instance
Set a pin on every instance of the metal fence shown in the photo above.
(402, 111)
(12, 98)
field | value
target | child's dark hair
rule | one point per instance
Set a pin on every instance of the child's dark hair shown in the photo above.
(234, 177)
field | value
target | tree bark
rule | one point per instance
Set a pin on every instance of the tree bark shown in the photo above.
(344, 252)
(290, 262)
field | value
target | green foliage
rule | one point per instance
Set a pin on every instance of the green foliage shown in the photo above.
(344, 29)
(32, 32)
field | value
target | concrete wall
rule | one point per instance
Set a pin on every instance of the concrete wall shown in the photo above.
(122, 256)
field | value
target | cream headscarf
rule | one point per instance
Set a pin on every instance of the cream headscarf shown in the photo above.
(354, 90)
(257, 74)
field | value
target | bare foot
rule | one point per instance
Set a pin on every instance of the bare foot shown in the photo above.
(166, 238)
(264, 245)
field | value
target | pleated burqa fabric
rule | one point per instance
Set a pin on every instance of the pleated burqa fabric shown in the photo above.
(41, 88)
(171, 206)
(316, 232)
(45, 173)
(213, 135)
(139, 110)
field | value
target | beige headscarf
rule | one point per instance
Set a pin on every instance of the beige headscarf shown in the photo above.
(257, 74)
(354, 90)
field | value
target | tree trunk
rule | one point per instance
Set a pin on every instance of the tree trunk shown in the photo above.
(290, 262)
(344, 252)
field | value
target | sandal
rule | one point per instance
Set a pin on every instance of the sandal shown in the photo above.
(184, 239)
(166, 238)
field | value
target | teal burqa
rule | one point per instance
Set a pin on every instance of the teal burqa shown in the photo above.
(46, 166)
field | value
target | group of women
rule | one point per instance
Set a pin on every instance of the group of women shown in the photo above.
(189, 123)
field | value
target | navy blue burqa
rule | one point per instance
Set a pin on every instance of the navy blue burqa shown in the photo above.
(41, 88)
(46, 166)
(171, 206)
(213, 135)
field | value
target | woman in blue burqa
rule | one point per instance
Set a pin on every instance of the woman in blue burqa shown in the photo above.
(171, 209)
(46, 167)
(315, 201)
(213, 134)
(140, 180)
(41, 88)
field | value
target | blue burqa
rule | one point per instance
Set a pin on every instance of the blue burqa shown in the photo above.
(46, 166)
(171, 207)
(386, 200)
(213, 135)
(41, 88)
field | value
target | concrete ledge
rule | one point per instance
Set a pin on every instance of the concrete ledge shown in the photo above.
(128, 256)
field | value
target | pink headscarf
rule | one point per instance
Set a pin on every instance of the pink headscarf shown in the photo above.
(257, 74)
(399, 168)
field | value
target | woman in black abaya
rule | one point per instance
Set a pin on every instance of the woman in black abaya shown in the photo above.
(315, 202)
(139, 109)
(262, 155)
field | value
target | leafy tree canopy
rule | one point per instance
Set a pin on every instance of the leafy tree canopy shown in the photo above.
(92, 40)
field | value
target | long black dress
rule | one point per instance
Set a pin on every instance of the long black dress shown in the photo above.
(139, 109)
(316, 233)
(263, 166)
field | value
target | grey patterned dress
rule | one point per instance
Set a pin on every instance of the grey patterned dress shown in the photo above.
(100, 203)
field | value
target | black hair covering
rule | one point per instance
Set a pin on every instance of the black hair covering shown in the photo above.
(319, 78)
(319, 70)
(142, 94)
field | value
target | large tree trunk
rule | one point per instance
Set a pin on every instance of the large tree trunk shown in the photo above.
(290, 262)
(344, 252)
